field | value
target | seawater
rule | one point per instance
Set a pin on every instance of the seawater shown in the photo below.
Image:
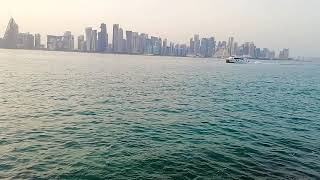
(96, 116)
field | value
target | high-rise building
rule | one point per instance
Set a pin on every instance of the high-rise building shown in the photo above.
(222, 50)
(246, 49)
(147, 44)
(258, 53)
(156, 45)
(211, 47)
(25, 41)
(88, 33)
(94, 41)
(61, 43)
(219, 46)
(273, 55)
(183, 50)
(164, 47)
(37, 41)
(54, 43)
(160, 45)
(10, 38)
(115, 38)
(102, 38)
(81, 43)
(204, 47)
(191, 51)
(129, 45)
(142, 43)
(196, 45)
(124, 46)
(284, 54)
(252, 50)
(230, 45)
(99, 44)
(236, 49)
(120, 41)
(265, 53)
(135, 47)
(207, 47)
(68, 41)
(172, 50)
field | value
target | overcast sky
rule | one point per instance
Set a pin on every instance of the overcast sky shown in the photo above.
(276, 24)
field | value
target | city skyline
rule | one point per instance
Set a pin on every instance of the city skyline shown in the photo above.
(275, 24)
(129, 42)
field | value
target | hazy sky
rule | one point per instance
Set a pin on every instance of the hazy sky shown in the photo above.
(276, 24)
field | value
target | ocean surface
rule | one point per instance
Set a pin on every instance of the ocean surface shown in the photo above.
(95, 116)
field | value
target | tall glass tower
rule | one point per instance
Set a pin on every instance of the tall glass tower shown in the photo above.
(102, 38)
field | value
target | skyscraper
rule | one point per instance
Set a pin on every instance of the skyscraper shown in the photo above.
(164, 47)
(88, 32)
(102, 38)
(284, 54)
(25, 41)
(61, 43)
(204, 47)
(156, 45)
(171, 51)
(146, 44)
(191, 51)
(246, 49)
(68, 41)
(120, 41)
(81, 43)
(273, 55)
(115, 38)
(252, 50)
(94, 41)
(10, 38)
(211, 47)
(135, 39)
(129, 45)
(54, 43)
(236, 49)
(37, 41)
(230, 45)
(265, 53)
(142, 43)
(258, 53)
(196, 45)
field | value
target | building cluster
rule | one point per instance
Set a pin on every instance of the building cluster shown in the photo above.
(130, 42)
(284, 54)
(202, 48)
(61, 43)
(127, 42)
(13, 39)
(248, 50)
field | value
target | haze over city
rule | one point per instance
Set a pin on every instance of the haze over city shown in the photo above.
(269, 23)
(159, 89)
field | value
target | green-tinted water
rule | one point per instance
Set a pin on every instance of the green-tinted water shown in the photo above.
(91, 116)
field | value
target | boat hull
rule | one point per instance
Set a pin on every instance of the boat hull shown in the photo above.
(233, 60)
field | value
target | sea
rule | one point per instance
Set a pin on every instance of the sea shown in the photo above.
(66, 115)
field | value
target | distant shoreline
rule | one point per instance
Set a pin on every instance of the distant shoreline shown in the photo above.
(151, 55)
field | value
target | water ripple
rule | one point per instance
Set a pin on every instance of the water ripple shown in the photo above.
(133, 117)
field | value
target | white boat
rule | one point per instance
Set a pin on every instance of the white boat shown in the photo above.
(237, 60)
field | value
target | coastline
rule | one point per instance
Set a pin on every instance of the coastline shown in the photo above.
(155, 55)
